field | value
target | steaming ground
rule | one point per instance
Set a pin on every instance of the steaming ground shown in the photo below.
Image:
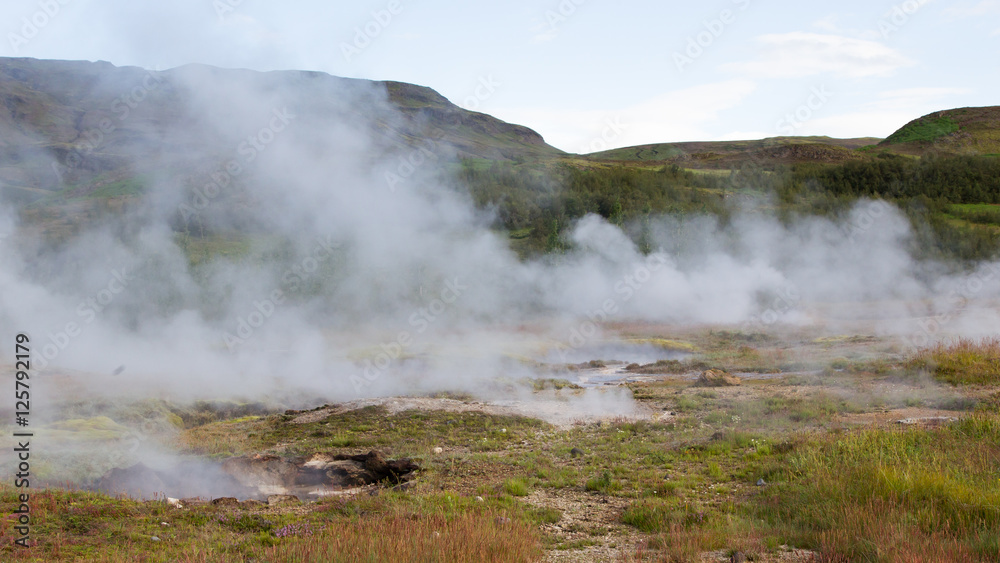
(356, 287)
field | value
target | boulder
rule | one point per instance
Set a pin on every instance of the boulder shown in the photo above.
(348, 473)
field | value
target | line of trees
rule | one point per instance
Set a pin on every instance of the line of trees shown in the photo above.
(537, 203)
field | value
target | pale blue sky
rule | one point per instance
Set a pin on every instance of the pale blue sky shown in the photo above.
(576, 70)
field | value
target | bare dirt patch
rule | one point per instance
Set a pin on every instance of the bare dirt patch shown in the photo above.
(590, 528)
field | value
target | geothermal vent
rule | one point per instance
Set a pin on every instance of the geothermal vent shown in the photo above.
(259, 476)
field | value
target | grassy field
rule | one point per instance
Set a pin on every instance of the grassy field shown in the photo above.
(804, 462)
(978, 213)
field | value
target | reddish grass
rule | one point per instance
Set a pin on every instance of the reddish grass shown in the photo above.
(477, 537)
(872, 533)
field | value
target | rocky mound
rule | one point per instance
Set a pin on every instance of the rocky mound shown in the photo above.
(317, 474)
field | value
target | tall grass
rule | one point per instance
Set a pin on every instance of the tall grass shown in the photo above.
(963, 362)
(894, 495)
(472, 537)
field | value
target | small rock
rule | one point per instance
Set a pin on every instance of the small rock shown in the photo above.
(480, 499)
(225, 501)
(575, 452)
(438, 450)
(154, 538)
(761, 482)
(164, 524)
(176, 503)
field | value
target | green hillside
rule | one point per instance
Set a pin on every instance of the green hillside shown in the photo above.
(64, 172)
(732, 154)
(70, 128)
(966, 131)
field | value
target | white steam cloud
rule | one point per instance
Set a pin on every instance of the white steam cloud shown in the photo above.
(357, 288)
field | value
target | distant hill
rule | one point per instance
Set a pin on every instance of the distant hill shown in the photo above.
(94, 128)
(966, 131)
(733, 154)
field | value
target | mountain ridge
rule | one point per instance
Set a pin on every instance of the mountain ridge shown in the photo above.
(72, 122)
(80, 128)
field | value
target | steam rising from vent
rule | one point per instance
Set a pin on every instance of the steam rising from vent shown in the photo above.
(348, 287)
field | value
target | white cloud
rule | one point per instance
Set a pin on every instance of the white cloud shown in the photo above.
(680, 115)
(828, 23)
(857, 124)
(980, 9)
(542, 31)
(545, 37)
(799, 54)
(743, 136)
(883, 116)
(913, 97)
